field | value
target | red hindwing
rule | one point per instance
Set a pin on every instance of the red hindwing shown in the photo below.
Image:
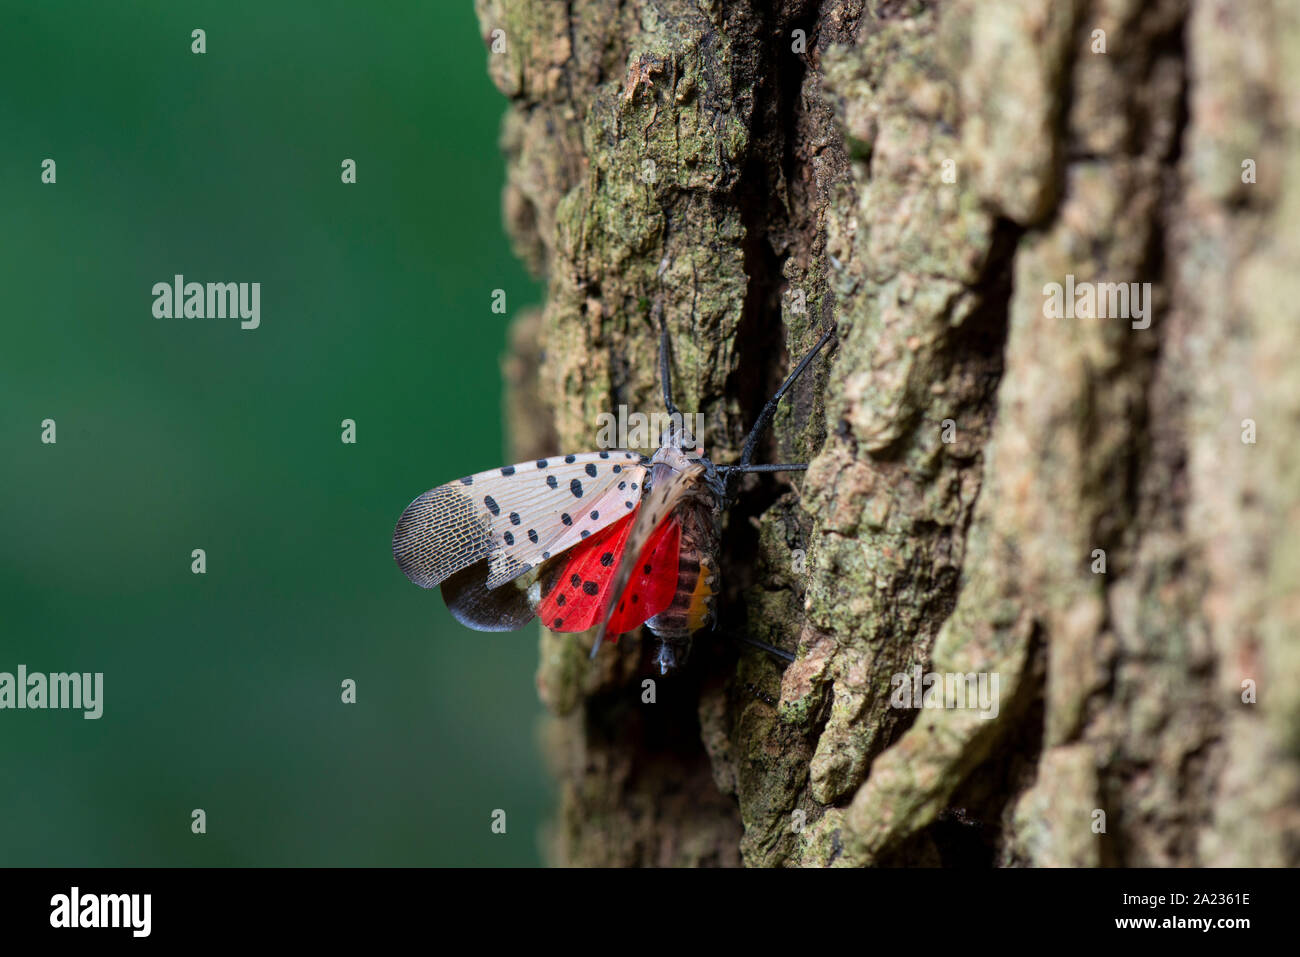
(577, 597)
(654, 581)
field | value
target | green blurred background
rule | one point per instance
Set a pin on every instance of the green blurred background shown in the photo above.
(222, 691)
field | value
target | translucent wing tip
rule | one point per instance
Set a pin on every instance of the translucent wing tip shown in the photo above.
(439, 534)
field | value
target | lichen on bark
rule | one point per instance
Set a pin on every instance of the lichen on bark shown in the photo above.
(917, 173)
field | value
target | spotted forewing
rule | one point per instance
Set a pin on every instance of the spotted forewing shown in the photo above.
(515, 517)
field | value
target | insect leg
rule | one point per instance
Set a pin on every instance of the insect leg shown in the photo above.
(725, 470)
(777, 652)
(665, 373)
(769, 410)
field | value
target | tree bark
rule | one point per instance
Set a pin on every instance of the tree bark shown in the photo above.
(1093, 510)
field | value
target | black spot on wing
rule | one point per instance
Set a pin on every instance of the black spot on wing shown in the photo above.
(590, 588)
(560, 599)
(576, 488)
(590, 470)
(532, 535)
(541, 463)
(491, 504)
(514, 518)
(510, 539)
(508, 470)
(568, 459)
(595, 515)
(467, 480)
(575, 581)
(566, 519)
(607, 559)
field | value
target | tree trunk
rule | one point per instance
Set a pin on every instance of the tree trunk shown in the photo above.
(1092, 512)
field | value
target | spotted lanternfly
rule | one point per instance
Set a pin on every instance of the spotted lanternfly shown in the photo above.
(609, 540)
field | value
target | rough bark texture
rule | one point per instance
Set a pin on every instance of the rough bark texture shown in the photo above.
(917, 174)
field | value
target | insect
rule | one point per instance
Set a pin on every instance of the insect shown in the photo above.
(609, 540)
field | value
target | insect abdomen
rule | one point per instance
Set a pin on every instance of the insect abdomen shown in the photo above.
(692, 606)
